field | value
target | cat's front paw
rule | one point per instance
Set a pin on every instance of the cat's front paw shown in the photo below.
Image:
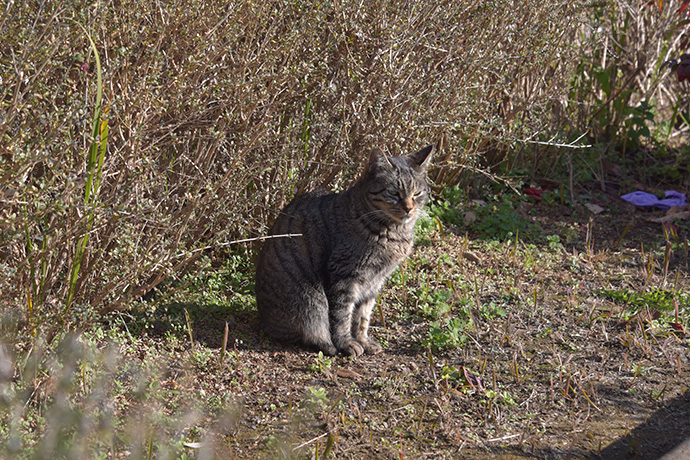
(371, 347)
(352, 348)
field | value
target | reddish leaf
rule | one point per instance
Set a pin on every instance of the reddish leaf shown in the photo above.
(683, 8)
(683, 69)
(678, 328)
(683, 72)
(534, 193)
(473, 379)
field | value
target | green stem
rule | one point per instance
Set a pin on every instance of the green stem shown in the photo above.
(94, 170)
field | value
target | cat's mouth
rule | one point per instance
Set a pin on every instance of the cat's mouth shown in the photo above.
(402, 216)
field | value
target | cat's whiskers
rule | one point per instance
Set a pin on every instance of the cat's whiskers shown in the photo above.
(380, 217)
(385, 218)
(375, 211)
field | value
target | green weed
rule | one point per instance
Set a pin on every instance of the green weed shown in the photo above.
(501, 397)
(94, 174)
(492, 311)
(316, 399)
(321, 364)
(658, 299)
(446, 207)
(446, 334)
(501, 220)
(433, 303)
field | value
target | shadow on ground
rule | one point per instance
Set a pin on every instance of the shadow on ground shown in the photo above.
(208, 323)
(664, 431)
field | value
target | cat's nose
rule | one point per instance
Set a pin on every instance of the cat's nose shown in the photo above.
(408, 205)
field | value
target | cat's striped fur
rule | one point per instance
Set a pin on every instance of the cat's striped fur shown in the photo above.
(320, 288)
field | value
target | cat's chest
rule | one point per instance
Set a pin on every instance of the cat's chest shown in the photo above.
(390, 252)
(371, 258)
(375, 266)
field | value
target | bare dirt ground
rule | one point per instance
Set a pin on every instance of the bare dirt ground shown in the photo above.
(491, 350)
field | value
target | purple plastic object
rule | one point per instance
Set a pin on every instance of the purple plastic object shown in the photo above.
(646, 200)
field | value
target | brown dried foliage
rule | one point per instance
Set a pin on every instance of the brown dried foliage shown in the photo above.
(219, 113)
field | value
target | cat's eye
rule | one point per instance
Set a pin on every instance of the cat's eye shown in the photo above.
(392, 192)
(418, 193)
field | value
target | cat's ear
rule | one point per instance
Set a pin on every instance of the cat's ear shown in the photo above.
(378, 160)
(420, 160)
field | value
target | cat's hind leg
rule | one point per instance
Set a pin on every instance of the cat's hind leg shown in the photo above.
(315, 329)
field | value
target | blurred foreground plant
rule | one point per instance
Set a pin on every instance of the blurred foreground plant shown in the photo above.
(81, 398)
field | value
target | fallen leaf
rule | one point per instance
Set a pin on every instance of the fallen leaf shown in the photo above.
(678, 328)
(471, 257)
(474, 380)
(193, 445)
(672, 216)
(470, 217)
(348, 374)
(595, 208)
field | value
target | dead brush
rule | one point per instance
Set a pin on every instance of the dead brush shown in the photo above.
(229, 113)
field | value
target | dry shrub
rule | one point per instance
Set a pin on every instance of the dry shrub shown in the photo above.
(623, 98)
(623, 85)
(219, 113)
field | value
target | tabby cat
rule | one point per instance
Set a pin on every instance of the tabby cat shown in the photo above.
(320, 288)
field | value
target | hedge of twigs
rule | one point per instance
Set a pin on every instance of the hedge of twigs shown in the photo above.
(215, 114)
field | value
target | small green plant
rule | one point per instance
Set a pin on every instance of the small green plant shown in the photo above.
(492, 311)
(450, 373)
(446, 207)
(554, 242)
(316, 399)
(433, 303)
(321, 364)
(501, 397)
(658, 299)
(202, 356)
(230, 283)
(500, 220)
(446, 334)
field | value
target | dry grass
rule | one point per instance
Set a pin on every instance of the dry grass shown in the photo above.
(219, 114)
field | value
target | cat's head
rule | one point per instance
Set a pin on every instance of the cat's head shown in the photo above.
(396, 186)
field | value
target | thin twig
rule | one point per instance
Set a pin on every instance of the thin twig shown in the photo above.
(570, 145)
(503, 438)
(247, 240)
(310, 441)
